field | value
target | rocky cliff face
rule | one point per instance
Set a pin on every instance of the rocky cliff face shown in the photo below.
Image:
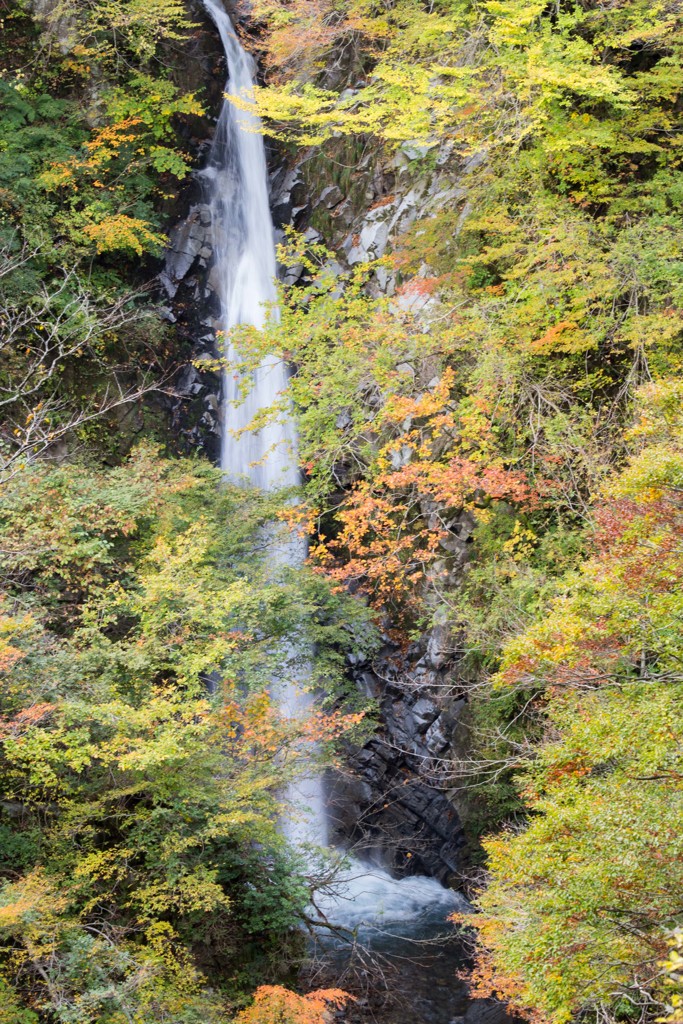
(393, 800)
(392, 803)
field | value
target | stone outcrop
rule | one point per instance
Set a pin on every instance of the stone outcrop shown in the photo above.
(186, 284)
(392, 802)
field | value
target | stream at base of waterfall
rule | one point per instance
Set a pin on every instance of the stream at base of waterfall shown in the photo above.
(380, 913)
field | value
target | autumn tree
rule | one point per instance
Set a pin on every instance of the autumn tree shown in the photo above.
(581, 901)
(142, 755)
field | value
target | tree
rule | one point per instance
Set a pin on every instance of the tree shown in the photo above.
(581, 901)
(140, 809)
(277, 1004)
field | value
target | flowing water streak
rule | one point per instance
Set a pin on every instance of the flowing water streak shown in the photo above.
(363, 897)
(244, 274)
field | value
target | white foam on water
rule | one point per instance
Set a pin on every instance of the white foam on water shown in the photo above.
(366, 899)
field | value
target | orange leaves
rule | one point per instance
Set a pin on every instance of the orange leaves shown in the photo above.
(28, 901)
(422, 287)
(257, 727)
(104, 147)
(392, 528)
(437, 460)
(274, 1004)
(119, 231)
(25, 719)
(487, 981)
(297, 33)
(461, 481)
(110, 140)
(565, 336)
(428, 405)
(9, 656)
(625, 605)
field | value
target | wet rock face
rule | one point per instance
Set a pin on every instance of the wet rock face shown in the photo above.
(392, 803)
(185, 283)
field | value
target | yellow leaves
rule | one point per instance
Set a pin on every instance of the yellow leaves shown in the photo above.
(141, 23)
(673, 980)
(109, 141)
(119, 231)
(58, 176)
(556, 641)
(117, 166)
(30, 903)
(15, 632)
(657, 432)
(601, 835)
(521, 544)
(308, 106)
(650, 474)
(659, 412)
(512, 20)
(572, 66)
(104, 865)
(191, 893)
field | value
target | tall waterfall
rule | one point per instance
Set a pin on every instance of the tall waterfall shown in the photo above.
(245, 273)
(236, 181)
(245, 269)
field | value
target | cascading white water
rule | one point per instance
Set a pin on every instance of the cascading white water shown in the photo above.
(244, 274)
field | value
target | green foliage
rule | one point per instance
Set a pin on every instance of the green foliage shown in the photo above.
(139, 810)
(548, 291)
(83, 167)
(581, 901)
(491, 400)
(89, 125)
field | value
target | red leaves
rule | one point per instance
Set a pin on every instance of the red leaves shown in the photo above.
(460, 480)
(257, 727)
(623, 612)
(633, 531)
(553, 339)
(25, 719)
(393, 528)
(486, 981)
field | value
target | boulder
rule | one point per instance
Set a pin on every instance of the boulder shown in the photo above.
(330, 197)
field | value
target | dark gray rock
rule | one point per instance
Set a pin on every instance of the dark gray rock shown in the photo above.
(330, 197)
(439, 647)
(422, 714)
(187, 240)
(436, 740)
(189, 381)
(486, 1011)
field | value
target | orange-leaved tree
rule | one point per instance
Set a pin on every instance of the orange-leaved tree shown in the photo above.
(274, 1004)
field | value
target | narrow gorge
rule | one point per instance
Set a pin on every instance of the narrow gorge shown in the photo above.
(360, 902)
(341, 532)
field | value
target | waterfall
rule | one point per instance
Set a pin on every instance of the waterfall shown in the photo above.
(245, 271)
(244, 274)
